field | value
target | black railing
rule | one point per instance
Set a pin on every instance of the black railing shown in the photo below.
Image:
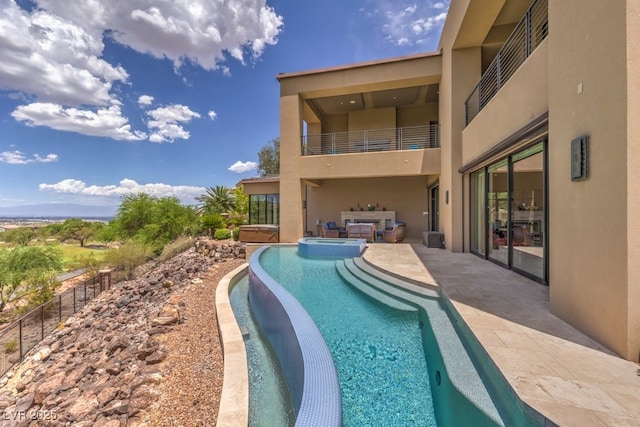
(527, 35)
(392, 139)
(25, 333)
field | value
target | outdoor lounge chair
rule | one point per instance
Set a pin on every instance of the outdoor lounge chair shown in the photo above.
(330, 229)
(396, 234)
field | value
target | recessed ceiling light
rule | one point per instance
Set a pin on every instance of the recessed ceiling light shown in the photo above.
(352, 102)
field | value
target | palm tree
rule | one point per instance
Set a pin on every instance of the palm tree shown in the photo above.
(216, 200)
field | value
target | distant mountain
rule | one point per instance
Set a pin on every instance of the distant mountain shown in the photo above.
(59, 210)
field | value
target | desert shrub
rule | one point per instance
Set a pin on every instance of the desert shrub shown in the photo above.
(88, 262)
(11, 346)
(236, 234)
(40, 289)
(222, 234)
(237, 220)
(176, 247)
(129, 256)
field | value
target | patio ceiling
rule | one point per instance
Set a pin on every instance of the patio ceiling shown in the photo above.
(401, 97)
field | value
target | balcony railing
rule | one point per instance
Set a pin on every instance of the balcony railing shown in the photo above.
(393, 139)
(528, 34)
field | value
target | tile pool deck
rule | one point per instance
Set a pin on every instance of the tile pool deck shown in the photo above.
(568, 377)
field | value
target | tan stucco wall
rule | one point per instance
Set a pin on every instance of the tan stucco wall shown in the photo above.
(372, 118)
(589, 233)
(290, 185)
(335, 123)
(257, 187)
(523, 98)
(633, 175)
(376, 75)
(408, 196)
(417, 115)
(377, 164)
(461, 72)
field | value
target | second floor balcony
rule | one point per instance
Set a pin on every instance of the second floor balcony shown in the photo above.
(372, 140)
(527, 35)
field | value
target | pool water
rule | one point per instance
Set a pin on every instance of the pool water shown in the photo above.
(269, 401)
(377, 350)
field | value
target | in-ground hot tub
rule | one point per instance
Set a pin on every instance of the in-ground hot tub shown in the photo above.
(340, 248)
(259, 233)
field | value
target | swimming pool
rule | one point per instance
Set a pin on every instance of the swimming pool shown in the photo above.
(399, 358)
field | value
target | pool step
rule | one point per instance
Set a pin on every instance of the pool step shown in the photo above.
(455, 361)
(370, 291)
(361, 269)
(381, 286)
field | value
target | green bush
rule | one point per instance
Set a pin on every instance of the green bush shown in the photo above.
(236, 234)
(222, 234)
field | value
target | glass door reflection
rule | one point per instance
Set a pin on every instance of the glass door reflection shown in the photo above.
(527, 212)
(497, 212)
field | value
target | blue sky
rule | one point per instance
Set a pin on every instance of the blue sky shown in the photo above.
(99, 99)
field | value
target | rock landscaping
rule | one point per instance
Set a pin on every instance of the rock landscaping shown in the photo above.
(105, 366)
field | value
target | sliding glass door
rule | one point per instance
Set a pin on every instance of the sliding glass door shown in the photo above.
(497, 212)
(508, 212)
(527, 212)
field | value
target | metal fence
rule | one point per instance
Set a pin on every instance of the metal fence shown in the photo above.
(527, 35)
(391, 139)
(25, 333)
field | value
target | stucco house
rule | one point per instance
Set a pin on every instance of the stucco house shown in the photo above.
(518, 139)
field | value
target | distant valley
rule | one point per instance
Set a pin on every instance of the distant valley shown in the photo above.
(58, 210)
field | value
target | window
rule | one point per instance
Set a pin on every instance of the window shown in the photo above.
(264, 209)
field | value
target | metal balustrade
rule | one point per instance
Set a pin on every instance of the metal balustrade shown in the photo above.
(372, 140)
(526, 36)
(22, 335)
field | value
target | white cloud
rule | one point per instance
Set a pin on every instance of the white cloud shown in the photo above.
(53, 59)
(240, 167)
(165, 125)
(106, 122)
(19, 158)
(212, 114)
(200, 31)
(412, 24)
(144, 100)
(52, 54)
(124, 187)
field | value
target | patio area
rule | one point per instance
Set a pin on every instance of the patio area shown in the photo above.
(565, 375)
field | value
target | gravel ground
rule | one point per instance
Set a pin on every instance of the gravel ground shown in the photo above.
(193, 370)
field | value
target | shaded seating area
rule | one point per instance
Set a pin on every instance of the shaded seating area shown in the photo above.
(331, 230)
(395, 234)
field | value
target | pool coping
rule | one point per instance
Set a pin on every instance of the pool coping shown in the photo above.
(234, 400)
